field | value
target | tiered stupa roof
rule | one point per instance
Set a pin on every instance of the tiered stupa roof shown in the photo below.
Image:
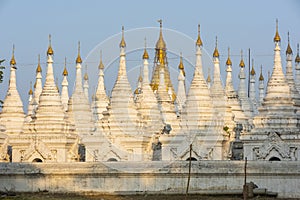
(12, 115)
(101, 98)
(80, 104)
(198, 111)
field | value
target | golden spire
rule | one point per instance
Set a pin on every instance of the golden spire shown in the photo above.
(65, 73)
(145, 55)
(13, 61)
(160, 49)
(101, 66)
(289, 49)
(252, 70)
(242, 64)
(261, 78)
(39, 68)
(50, 50)
(30, 91)
(208, 80)
(154, 87)
(160, 44)
(216, 52)
(136, 91)
(56, 83)
(199, 41)
(122, 43)
(181, 66)
(297, 59)
(228, 62)
(86, 77)
(277, 37)
(140, 78)
(78, 59)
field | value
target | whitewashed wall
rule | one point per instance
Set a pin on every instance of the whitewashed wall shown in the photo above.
(128, 177)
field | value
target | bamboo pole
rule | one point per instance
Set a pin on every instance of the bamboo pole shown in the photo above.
(245, 189)
(189, 176)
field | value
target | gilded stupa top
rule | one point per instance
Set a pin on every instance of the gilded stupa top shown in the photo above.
(181, 66)
(208, 76)
(160, 44)
(122, 43)
(261, 77)
(13, 60)
(101, 65)
(228, 62)
(30, 90)
(216, 52)
(289, 49)
(50, 50)
(297, 59)
(252, 70)
(86, 77)
(242, 64)
(78, 59)
(277, 37)
(199, 41)
(145, 55)
(39, 68)
(65, 72)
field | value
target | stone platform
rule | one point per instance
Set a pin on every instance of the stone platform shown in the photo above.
(150, 177)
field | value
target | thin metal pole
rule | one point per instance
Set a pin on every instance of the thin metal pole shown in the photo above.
(249, 74)
(189, 177)
(245, 189)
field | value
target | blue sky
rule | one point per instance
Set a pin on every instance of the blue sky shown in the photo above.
(238, 25)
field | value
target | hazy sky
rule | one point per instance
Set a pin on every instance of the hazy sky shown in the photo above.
(238, 25)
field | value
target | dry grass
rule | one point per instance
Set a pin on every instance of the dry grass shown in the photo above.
(48, 196)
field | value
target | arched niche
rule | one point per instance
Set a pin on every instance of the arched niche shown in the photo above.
(274, 159)
(112, 160)
(37, 160)
(191, 158)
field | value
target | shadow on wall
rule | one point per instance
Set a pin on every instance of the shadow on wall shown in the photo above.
(53, 177)
(21, 177)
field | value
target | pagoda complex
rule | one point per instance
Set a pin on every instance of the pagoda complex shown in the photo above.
(153, 122)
